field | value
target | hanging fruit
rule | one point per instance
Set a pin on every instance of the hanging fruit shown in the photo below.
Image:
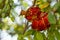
(38, 18)
(41, 24)
(32, 13)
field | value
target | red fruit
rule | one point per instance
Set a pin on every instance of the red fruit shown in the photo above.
(32, 13)
(33, 10)
(41, 14)
(41, 24)
(45, 18)
(29, 17)
(35, 25)
(38, 25)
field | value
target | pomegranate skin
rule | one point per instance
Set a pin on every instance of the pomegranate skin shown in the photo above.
(29, 17)
(41, 24)
(31, 13)
(33, 10)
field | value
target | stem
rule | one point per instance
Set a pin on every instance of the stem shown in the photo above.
(34, 3)
(26, 27)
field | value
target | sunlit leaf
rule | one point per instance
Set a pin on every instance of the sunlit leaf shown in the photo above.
(44, 5)
(20, 37)
(38, 36)
(19, 29)
(25, 4)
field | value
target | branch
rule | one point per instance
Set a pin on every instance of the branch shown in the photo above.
(26, 27)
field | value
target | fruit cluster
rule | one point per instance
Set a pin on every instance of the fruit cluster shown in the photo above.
(39, 19)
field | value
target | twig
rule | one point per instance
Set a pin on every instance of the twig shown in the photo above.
(26, 27)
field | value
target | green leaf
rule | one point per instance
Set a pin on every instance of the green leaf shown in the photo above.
(2, 3)
(38, 36)
(25, 4)
(44, 36)
(59, 21)
(29, 32)
(29, 37)
(20, 37)
(52, 28)
(19, 29)
(57, 7)
(57, 34)
(1, 25)
(50, 32)
(50, 36)
(51, 18)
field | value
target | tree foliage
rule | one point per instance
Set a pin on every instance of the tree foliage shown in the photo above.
(9, 19)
